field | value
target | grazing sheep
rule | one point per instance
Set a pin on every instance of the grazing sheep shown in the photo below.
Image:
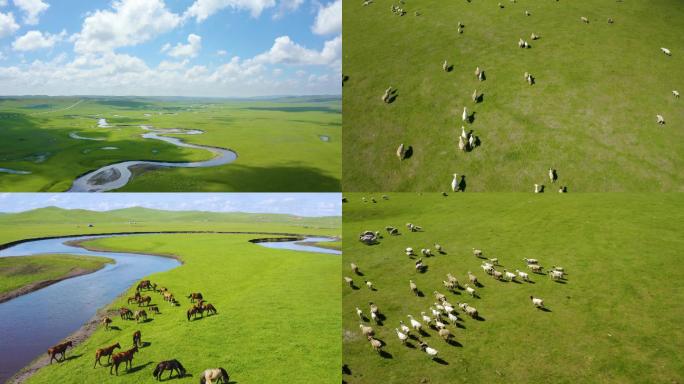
(387, 95)
(375, 318)
(445, 66)
(472, 278)
(610, 20)
(404, 328)
(563, 189)
(464, 116)
(471, 142)
(426, 318)
(366, 331)
(439, 248)
(460, 25)
(497, 274)
(439, 296)
(523, 275)
(445, 334)
(666, 51)
(487, 268)
(359, 313)
(557, 268)
(455, 186)
(531, 261)
(409, 252)
(373, 308)
(527, 13)
(354, 268)
(402, 336)
(470, 290)
(555, 275)
(477, 71)
(375, 343)
(401, 152)
(510, 276)
(501, 5)
(535, 267)
(369, 285)
(415, 324)
(584, 20)
(675, 93)
(426, 252)
(471, 311)
(438, 323)
(553, 175)
(481, 76)
(349, 281)
(538, 188)
(453, 280)
(537, 302)
(460, 30)
(449, 285)
(494, 261)
(431, 352)
(478, 253)
(534, 36)
(660, 119)
(530, 80)
(413, 287)
(475, 96)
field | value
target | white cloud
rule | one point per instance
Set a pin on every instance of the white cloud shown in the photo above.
(286, 6)
(200, 10)
(186, 50)
(130, 22)
(32, 9)
(33, 40)
(3, 3)
(329, 19)
(172, 65)
(222, 52)
(286, 51)
(7, 24)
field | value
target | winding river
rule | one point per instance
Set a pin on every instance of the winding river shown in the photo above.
(117, 175)
(31, 323)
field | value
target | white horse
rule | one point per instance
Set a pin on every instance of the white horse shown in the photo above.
(211, 374)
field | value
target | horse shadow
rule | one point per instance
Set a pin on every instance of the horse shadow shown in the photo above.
(145, 344)
(409, 152)
(114, 327)
(72, 357)
(139, 367)
(454, 343)
(439, 360)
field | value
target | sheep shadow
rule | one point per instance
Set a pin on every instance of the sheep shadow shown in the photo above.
(354, 287)
(449, 68)
(423, 269)
(471, 118)
(146, 320)
(346, 370)
(410, 345)
(420, 293)
(462, 184)
(479, 284)
(479, 318)
(479, 98)
(544, 309)
(561, 281)
(393, 96)
(385, 355)
(454, 343)
(442, 252)
(345, 78)
(408, 153)
(423, 333)
(359, 273)
(364, 318)
(373, 289)
(516, 281)
(440, 361)
(459, 325)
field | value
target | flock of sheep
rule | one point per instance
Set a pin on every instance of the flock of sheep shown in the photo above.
(443, 316)
(466, 141)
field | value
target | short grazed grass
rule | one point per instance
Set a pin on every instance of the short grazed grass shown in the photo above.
(614, 320)
(591, 114)
(16, 272)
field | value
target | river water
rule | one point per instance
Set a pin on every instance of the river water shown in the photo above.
(31, 323)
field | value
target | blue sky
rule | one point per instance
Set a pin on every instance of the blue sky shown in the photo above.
(170, 47)
(301, 204)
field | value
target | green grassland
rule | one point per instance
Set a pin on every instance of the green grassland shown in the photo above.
(615, 319)
(591, 114)
(16, 272)
(277, 142)
(278, 314)
(54, 221)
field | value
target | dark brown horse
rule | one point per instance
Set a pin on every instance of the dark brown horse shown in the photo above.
(141, 314)
(125, 313)
(137, 338)
(59, 349)
(123, 357)
(154, 309)
(106, 321)
(135, 298)
(145, 284)
(210, 309)
(193, 312)
(195, 296)
(144, 300)
(107, 351)
(168, 365)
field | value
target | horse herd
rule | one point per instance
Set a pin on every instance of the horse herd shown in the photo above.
(208, 376)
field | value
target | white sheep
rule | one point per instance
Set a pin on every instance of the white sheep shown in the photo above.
(375, 343)
(497, 274)
(454, 183)
(373, 307)
(359, 313)
(475, 95)
(494, 261)
(438, 248)
(354, 268)
(472, 278)
(375, 318)
(435, 312)
(523, 275)
(666, 51)
(510, 276)
(426, 318)
(401, 152)
(369, 284)
(461, 145)
(445, 334)
(531, 261)
(537, 302)
(471, 311)
(477, 71)
(470, 290)
(481, 76)
(675, 93)
(413, 287)
(471, 141)
(453, 318)
(553, 176)
(535, 267)
(584, 20)
(464, 134)
(538, 188)
(477, 253)
(555, 275)
(419, 265)
(534, 36)
(366, 331)
(404, 328)
(402, 336)
(431, 352)
(415, 324)
(464, 116)
(349, 281)
(409, 251)
(527, 13)
(660, 119)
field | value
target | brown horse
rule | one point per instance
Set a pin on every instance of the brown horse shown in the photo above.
(194, 311)
(135, 298)
(123, 357)
(106, 321)
(145, 284)
(144, 300)
(59, 349)
(195, 296)
(210, 309)
(218, 374)
(137, 338)
(154, 309)
(107, 351)
(168, 296)
(141, 314)
(125, 313)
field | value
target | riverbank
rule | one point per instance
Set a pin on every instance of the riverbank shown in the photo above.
(336, 244)
(27, 274)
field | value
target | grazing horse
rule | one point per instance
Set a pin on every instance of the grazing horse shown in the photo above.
(135, 298)
(145, 299)
(137, 338)
(218, 374)
(125, 313)
(106, 321)
(210, 309)
(154, 309)
(141, 314)
(169, 365)
(168, 296)
(105, 352)
(123, 357)
(59, 349)
(145, 284)
(195, 296)
(194, 311)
